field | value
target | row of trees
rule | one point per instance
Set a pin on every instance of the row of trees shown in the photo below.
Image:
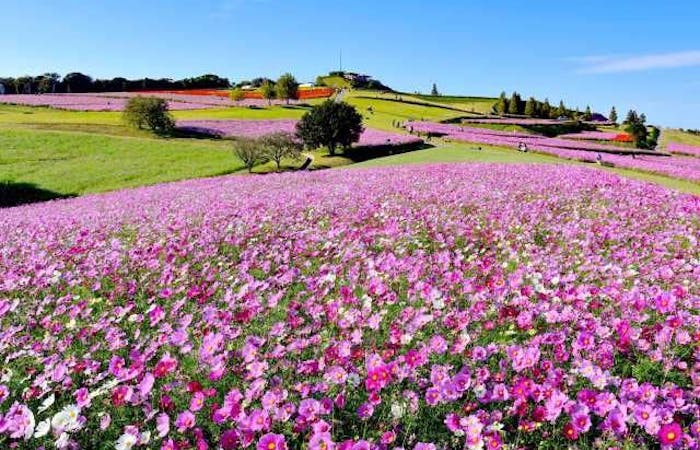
(532, 107)
(76, 82)
(515, 105)
(285, 88)
(272, 147)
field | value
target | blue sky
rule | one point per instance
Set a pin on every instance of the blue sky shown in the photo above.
(633, 54)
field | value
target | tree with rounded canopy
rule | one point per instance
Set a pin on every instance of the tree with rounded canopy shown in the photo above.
(330, 124)
(236, 94)
(77, 82)
(268, 91)
(149, 112)
(287, 87)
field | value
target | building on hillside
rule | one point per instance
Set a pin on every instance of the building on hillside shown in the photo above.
(357, 77)
(597, 117)
(306, 85)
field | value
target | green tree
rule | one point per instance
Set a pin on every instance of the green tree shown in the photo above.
(330, 124)
(149, 112)
(653, 138)
(531, 107)
(561, 110)
(635, 125)
(320, 81)
(236, 94)
(514, 104)
(278, 146)
(502, 104)
(250, 152)
(287, 87)
(613, 115)
(546, 109)
(268, 91)
(588, 115)
(434, 91)
(77, 82)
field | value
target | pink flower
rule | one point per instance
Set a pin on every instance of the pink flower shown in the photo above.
(321, 441)
(82, 397)
(185, 420)
(670, 434)
(272, 442)
(162, 424)
(197, 401)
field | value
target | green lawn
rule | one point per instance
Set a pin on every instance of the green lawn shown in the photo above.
(481, 105)
(680, 137)
(385, 111)
(77, 163)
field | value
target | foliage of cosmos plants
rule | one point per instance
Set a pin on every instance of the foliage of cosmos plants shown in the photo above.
(419, 307)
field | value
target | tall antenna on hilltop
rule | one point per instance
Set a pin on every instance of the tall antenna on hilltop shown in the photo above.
(341, 59)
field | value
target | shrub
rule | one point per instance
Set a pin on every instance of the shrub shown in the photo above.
(237, 94)
(330, 124)
(149, 112)
(250, 152)
(278, 146)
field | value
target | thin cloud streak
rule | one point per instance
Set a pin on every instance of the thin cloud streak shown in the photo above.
(613, 64)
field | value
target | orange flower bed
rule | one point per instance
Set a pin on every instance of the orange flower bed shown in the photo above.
(304, 93)
(623, 137)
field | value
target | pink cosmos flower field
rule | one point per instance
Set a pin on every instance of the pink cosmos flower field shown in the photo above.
(681, 167)
(257, 128)
(419, 307)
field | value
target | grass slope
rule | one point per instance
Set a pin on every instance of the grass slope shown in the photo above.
(680, 137)
(71, 163)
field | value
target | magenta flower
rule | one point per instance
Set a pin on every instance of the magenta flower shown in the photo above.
(185, 420)
(670, 434)
(272, 442)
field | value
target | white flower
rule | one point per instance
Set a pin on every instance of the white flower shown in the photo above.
(62, 440)
(145, 438)
(397, 410)
(42, 428)
(126, 441)
(66, 419)
(46, 404)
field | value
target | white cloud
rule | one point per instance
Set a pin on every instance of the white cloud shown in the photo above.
(616, 64)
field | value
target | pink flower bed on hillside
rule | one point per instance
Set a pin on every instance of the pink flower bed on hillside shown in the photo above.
(87, 102)
(683, 149)
(677, 167)
(421, 307)
(257, 128)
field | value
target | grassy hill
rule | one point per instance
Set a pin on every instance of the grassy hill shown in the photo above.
(336, 82)
(678, 136)
(60, 153)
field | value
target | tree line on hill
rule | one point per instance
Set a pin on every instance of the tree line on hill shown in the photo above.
(515, 105)
(76, 82)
